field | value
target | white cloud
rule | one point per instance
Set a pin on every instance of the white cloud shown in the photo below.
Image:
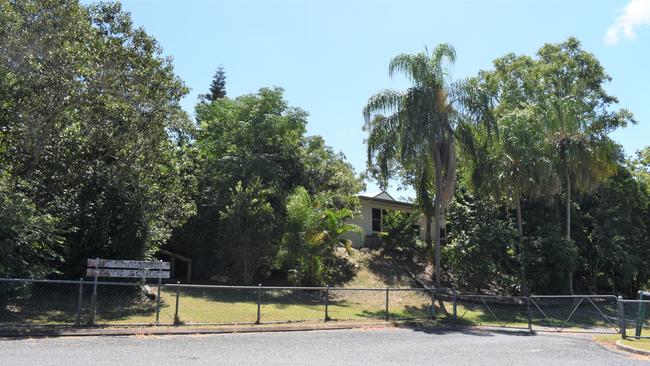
(634, 15)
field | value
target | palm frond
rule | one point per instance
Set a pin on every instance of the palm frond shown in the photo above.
(384, 102)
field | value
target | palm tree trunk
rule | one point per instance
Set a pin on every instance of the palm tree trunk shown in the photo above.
(436, 206)
(568, 223)
(520, 227)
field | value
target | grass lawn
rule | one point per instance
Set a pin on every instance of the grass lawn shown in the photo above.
(642, 344)
(126, 305)
(53, 304)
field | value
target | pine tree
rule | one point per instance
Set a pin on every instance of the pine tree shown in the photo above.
(218, 85)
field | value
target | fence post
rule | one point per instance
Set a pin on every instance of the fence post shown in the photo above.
(158, 294)
(454, 304)
(93, 299)
(432, 309)
(528, 314)
(386, 312)
(177, 320)
(640, 316)
(621, 316)
(81, 291)
(259, 303)
(327, 300)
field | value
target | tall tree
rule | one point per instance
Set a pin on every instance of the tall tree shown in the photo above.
(92, 122)
(641, 166)
(218, 85)
(417, 134)
(561, 101)
(513, 167)
(250, 138)
(504, 145)
(578, 114)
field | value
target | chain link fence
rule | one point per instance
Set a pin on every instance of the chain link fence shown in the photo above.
(34, 302)
(584, 313)
(494, 311)
(635, 318)
(26, 302)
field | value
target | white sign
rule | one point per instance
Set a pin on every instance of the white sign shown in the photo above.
(110, 263)
(133, 273)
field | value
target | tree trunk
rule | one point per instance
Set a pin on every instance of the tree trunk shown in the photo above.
(568, 223)
(520, 227)
(436, 206)
(427, 231)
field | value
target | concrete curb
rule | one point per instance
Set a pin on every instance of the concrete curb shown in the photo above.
(637, 351)
(183, 330)
(38, 332)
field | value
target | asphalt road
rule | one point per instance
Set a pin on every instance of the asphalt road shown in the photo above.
(342, 347)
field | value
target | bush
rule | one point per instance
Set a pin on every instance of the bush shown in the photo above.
(400, 237)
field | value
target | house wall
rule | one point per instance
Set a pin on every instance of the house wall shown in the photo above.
(365, 222)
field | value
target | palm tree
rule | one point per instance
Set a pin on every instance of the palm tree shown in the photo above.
(313, 232)
(585, 159)
(577, 114)
(413, 131)
(523, 171)
(505, 155)
(503, 143)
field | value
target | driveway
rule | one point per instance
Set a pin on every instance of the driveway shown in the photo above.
(390, 346)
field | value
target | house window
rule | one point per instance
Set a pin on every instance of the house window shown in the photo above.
(376, 219)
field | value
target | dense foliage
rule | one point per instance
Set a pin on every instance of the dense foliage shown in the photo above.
(314, 230)
(97, 159)
(258, 140)
(400, 237)
(87, 107)
(538, 138)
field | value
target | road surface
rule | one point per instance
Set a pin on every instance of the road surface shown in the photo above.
(389, 346)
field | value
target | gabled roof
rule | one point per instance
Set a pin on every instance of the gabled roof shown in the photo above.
(383, 197)
(379, 194)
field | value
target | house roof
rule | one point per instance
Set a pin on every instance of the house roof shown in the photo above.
(384, 197)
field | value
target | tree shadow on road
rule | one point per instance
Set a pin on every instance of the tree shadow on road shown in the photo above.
(443, 329)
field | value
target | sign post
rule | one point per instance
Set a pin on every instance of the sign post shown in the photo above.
(93, 299)
(158, 294)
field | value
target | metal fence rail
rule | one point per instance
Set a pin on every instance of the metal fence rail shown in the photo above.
(27, 302)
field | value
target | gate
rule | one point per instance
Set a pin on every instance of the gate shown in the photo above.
(575, 313)
(493, 311)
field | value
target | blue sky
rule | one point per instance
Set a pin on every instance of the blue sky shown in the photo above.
(330, 56)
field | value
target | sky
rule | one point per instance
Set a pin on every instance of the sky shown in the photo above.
(331, 56)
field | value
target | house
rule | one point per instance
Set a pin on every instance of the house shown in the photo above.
(373, 207)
